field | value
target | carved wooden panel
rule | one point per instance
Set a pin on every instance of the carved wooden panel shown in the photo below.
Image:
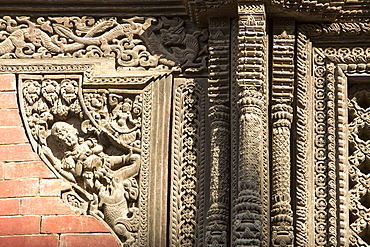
(332, 122)
(187, 213)
(253, 132)
(100, 138)
(97, 104)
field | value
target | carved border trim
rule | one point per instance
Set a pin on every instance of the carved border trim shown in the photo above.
(302, 112)
(187, 189)
(332, 66)
(331, 147)
(342, 155)
(320, 148)
(144, 169)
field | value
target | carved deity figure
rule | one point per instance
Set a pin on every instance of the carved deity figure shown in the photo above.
(110, 180)
(125, 124)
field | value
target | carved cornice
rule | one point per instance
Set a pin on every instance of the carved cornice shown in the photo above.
(305, 10)
(138, 43)
(126, 8)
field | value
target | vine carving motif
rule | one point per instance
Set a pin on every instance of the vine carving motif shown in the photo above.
(170, 44)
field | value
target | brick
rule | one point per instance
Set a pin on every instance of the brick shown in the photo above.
(9, 207)
(18, 188)
(1, 171)
(35, 169)
(88, 240)
(12, 135)
(30, 241)
(7, 82)
(44, 206)
(19, 152)
(8, 100)
(18, 225)
(10, 117)
(71, 224)
(52, 187)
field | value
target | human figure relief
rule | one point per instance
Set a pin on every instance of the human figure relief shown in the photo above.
(127, 127)
(110, 180)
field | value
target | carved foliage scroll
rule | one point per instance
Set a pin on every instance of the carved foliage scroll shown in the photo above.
(187, 189)
(302, 158)
(170, 43)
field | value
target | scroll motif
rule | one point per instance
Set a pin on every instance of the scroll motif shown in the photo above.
(127, 41)
(344, 29)
(96, 147)
(320, 156)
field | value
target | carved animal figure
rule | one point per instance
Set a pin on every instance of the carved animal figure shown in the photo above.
(33, 36)
(184, 46)
(128, 30)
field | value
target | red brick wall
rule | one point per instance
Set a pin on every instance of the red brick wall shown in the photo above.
(31, 211)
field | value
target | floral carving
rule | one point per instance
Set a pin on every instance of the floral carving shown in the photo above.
(98, 151)
(188, 166)
(359, 160)
(126, 41)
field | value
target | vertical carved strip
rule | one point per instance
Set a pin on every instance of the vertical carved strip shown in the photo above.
(188, 165)
(282, 94)
(302, 140)
(331, 147)
(251, 217)
(144, 169)
(234, 124)
(321, 145)
(342, 158)
(218, 213)
(358, 161)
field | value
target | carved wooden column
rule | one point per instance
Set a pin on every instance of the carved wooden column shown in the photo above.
(282, 93)
(218, 213)
(250, 208)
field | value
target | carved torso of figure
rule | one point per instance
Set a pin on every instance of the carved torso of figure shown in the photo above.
(110, 180)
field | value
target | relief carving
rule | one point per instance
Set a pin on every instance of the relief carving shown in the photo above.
(170, 45)
(219, 115)
(251, 208)
(359, 158)
(187, 212)
(302, 132)
(282, 116)
(336, 69)
(93, 139)
(180, 44)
